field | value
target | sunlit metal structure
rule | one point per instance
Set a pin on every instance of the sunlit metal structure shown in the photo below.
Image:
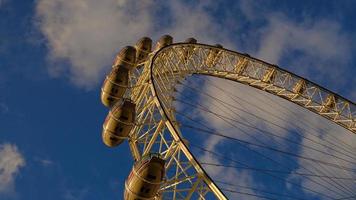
(152, 77)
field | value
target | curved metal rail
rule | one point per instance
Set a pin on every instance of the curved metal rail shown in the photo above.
(157, 130)
(258, 74)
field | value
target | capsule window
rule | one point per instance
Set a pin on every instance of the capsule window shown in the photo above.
(118, 80)
(114, 90)
(114, 139)
(152, 177)
(123, 117)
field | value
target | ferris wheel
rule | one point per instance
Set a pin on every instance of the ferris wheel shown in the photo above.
(141, 91)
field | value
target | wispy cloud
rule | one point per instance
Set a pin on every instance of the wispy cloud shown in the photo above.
(321, 46)
(45, 162)
(318, 49)
(11, 160)
(82, 36)
(283, 113)
(71, 194)
(310, 47)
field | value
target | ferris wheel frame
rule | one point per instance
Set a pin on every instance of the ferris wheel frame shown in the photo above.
(153, 85)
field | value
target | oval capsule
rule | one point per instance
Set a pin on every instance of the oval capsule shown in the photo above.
(163, 41)
(118, 123)
(145, 178)
(190, 41)
(126, 57)
(115, 85)
(143, 48)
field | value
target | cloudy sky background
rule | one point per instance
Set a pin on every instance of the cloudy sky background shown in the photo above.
(54, 55)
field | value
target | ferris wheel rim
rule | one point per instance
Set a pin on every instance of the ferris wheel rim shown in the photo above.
(246, 56)
(211, 184)
(170, 123)
(144, 94)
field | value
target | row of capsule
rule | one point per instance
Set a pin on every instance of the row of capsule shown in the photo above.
(147, 173)
(121, 117)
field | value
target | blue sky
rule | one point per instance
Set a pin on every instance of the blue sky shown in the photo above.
(54, 55)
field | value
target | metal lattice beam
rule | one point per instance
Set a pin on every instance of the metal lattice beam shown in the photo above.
(156, 130)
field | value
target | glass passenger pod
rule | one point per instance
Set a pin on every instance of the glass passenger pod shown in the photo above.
(213, 56)
(191, 41)
(126, 57)
(118, 123)
(143, 48)
(163, 41)
(145, 178)
(115, 85)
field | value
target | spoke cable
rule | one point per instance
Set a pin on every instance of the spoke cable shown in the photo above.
(217, 99)
(263, 119)
(258, 145)
(344, 187)
(233, 96)
(271, 159)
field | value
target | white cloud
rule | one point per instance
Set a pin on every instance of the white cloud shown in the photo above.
(328, 132)
(322, 45)
(84, 35)
(318, 49)
(11, 160)
(324, 56)
(251, 97)
(87, 33)
(274, 110)
(44, 162)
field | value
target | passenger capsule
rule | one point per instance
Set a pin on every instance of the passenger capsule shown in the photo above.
(118, 123)
(126, 57)
(115, 85)
(164, 41)
(213, 56)
(190, 41)
(145, 178)
(143, 48)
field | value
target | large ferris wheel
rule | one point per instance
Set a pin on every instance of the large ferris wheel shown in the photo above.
(141, 92)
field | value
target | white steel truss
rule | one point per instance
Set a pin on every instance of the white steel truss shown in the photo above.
(157, 130)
